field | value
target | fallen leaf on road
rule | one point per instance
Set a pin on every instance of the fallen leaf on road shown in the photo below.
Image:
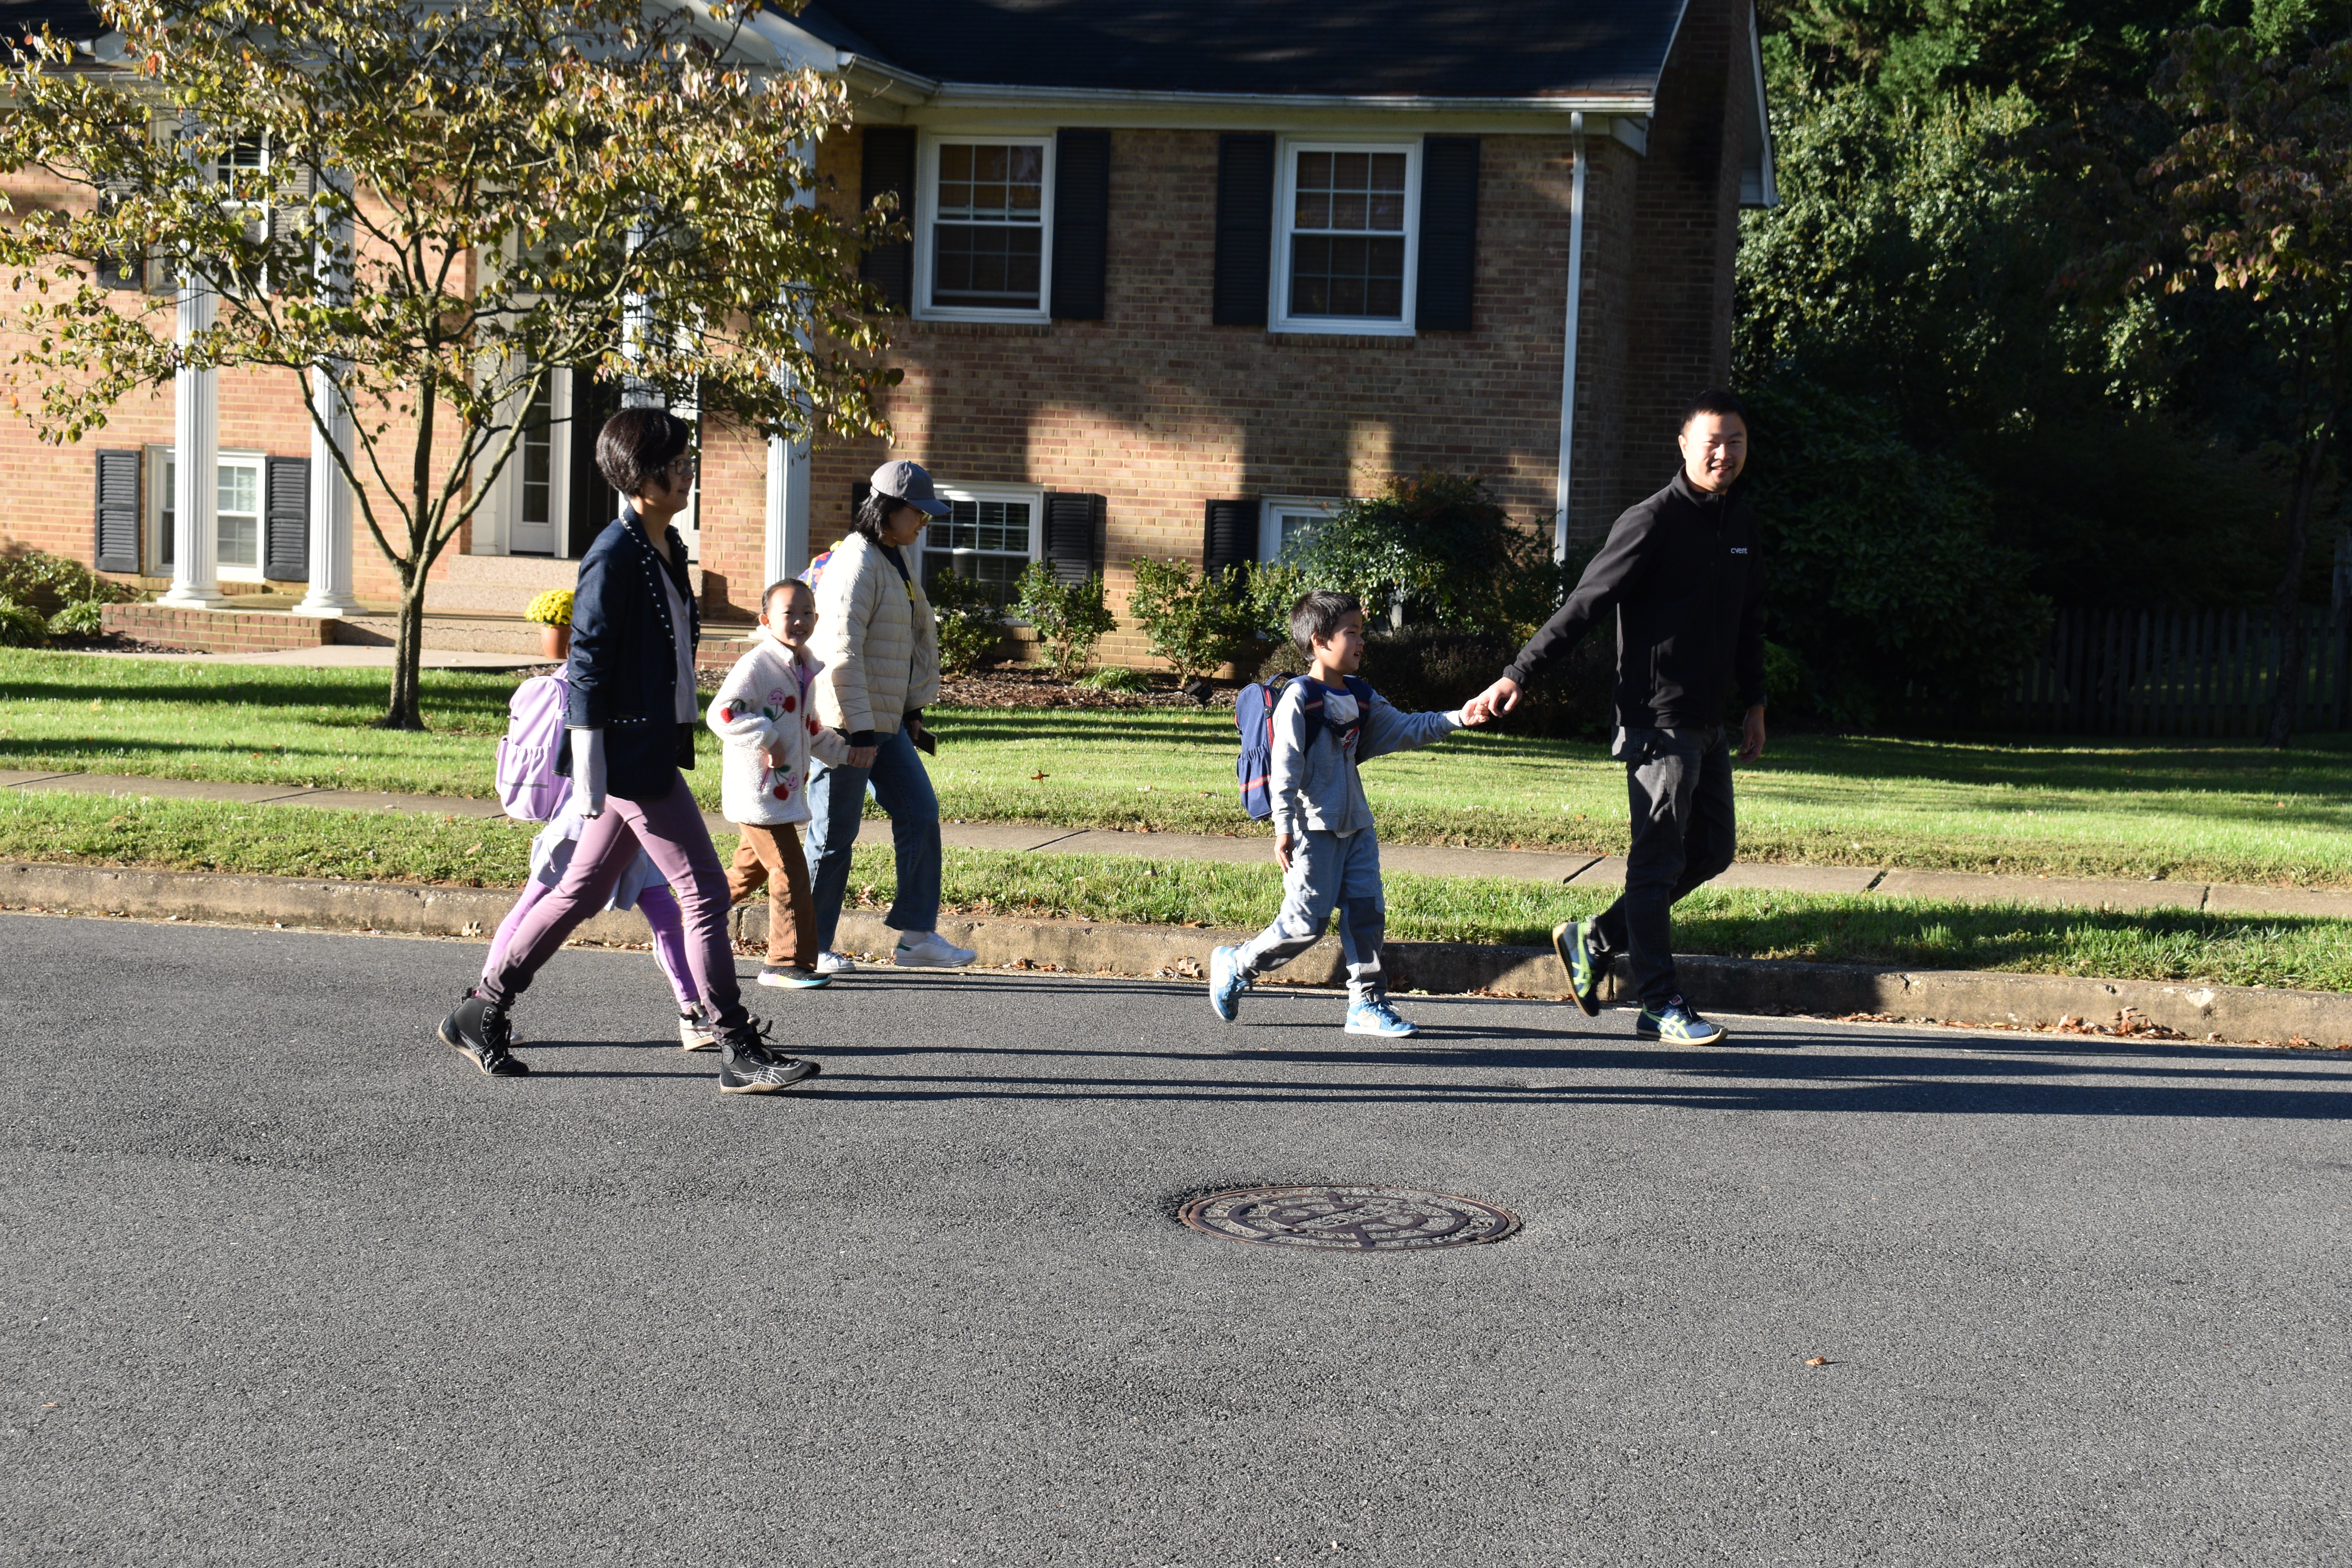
(1818, 1361)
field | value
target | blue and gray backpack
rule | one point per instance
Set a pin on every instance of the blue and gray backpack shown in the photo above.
(1253, 717)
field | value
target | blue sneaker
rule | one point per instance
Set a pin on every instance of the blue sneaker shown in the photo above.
(1676, 1023)
(1572, 940)
(1226, 984)
(1377, 1017)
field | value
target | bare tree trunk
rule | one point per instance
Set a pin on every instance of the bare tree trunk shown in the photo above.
(403, 712)
(2287, 689)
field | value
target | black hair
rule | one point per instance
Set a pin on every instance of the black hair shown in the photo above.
(1716, 400)
(873, 514)
(779, 586)
(638, 443)
(1316, 615)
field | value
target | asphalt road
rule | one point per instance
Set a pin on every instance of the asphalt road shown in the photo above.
(288, 1283)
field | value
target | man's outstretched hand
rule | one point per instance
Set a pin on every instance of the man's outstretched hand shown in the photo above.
(1751, 734)
(1494, 702)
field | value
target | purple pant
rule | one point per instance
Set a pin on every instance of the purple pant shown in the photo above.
(656, 904)
(671, 831)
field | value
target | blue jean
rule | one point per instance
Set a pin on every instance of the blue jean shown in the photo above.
(837, 799)
(1328, 874)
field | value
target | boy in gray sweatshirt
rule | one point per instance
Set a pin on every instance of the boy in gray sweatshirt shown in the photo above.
(1325, 723)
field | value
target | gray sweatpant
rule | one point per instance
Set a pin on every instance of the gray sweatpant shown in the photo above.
(1329, 874)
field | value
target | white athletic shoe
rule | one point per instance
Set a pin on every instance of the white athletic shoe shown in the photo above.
(929, 950)
(695, 1031)
(830, 963)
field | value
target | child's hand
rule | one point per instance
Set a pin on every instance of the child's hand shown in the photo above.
(776, 758)
(1282, 843)
(862, 756)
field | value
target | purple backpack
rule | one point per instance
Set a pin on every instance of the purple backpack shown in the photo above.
(528, 786)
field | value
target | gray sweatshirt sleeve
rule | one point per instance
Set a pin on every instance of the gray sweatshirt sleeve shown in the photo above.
(1288, 775)
(1386, 728)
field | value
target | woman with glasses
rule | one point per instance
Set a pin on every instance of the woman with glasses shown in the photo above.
(632, 717)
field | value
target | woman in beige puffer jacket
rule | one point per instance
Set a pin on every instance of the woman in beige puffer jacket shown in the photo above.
(880, 646)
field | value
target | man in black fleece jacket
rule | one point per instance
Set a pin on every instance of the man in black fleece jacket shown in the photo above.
(1682, 571)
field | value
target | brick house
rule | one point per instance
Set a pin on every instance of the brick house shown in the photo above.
(1178, 280)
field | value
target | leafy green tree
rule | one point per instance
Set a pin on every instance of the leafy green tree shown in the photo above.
(450, 200)
(2259, 190)
(1885, 583)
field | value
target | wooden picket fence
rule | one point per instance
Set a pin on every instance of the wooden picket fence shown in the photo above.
(2182, 672)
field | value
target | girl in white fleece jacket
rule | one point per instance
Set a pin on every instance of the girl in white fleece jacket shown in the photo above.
(770, 729)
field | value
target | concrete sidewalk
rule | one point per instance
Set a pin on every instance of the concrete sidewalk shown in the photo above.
(1577, 869)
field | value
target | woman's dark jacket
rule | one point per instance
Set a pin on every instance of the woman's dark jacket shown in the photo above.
(624, 666)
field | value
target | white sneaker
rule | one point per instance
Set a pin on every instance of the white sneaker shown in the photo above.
(929, 950)
(830, 963)
(695, 1032)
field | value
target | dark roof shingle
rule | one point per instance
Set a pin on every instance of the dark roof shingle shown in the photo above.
(1413, 49)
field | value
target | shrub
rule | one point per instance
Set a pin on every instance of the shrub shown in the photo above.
(1435, 550)
(83, 620)
(1885, 585)
(21, 628)
(1070, 617)
(1194, 622)
(971, 626)
(44, 583)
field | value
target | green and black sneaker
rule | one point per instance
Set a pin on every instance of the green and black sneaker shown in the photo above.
(1676, 1023)
(1572, 940)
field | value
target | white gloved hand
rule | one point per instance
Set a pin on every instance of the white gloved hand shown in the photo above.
(588, 771)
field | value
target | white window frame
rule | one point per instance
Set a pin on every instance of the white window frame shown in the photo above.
(1034, 495)
(927, 204)
(158, 494)
(1286, 211)
(1269, 519)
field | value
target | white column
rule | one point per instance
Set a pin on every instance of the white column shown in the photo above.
(195, 458)
(636, 328)
(331, 496)
(787, 555)
(787, 545)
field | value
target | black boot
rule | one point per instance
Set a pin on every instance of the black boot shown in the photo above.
(748, 1065)
(478, 1028)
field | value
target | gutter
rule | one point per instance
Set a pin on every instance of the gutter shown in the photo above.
(939, 92)
(1568, 367)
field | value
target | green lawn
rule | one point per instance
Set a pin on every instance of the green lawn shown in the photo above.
(2219, 812)
(361, 845)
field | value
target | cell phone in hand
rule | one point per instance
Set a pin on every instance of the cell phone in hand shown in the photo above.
(927, 743)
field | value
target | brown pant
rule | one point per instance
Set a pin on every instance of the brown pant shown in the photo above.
(773, 855)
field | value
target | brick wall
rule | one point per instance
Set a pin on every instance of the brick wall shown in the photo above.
(1158, 410)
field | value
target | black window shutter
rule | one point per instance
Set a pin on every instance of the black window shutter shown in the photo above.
(1081, 222)
(1074, 535)
(889, 169)
(1231, 534)
(286, 521)
(1245, 229)
(118, 512)
(1449, 233)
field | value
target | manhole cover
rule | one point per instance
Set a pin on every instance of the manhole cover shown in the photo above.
(1347, 1219)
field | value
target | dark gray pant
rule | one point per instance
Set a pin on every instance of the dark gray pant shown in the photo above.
(1678, 782)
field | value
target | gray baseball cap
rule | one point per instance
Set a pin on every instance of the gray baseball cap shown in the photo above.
(906, 481)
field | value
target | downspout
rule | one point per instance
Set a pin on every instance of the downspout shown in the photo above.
(1567, 368)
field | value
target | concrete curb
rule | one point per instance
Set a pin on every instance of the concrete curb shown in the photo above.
(1084, 947)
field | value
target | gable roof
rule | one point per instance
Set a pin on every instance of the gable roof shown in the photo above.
(1352, 49)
